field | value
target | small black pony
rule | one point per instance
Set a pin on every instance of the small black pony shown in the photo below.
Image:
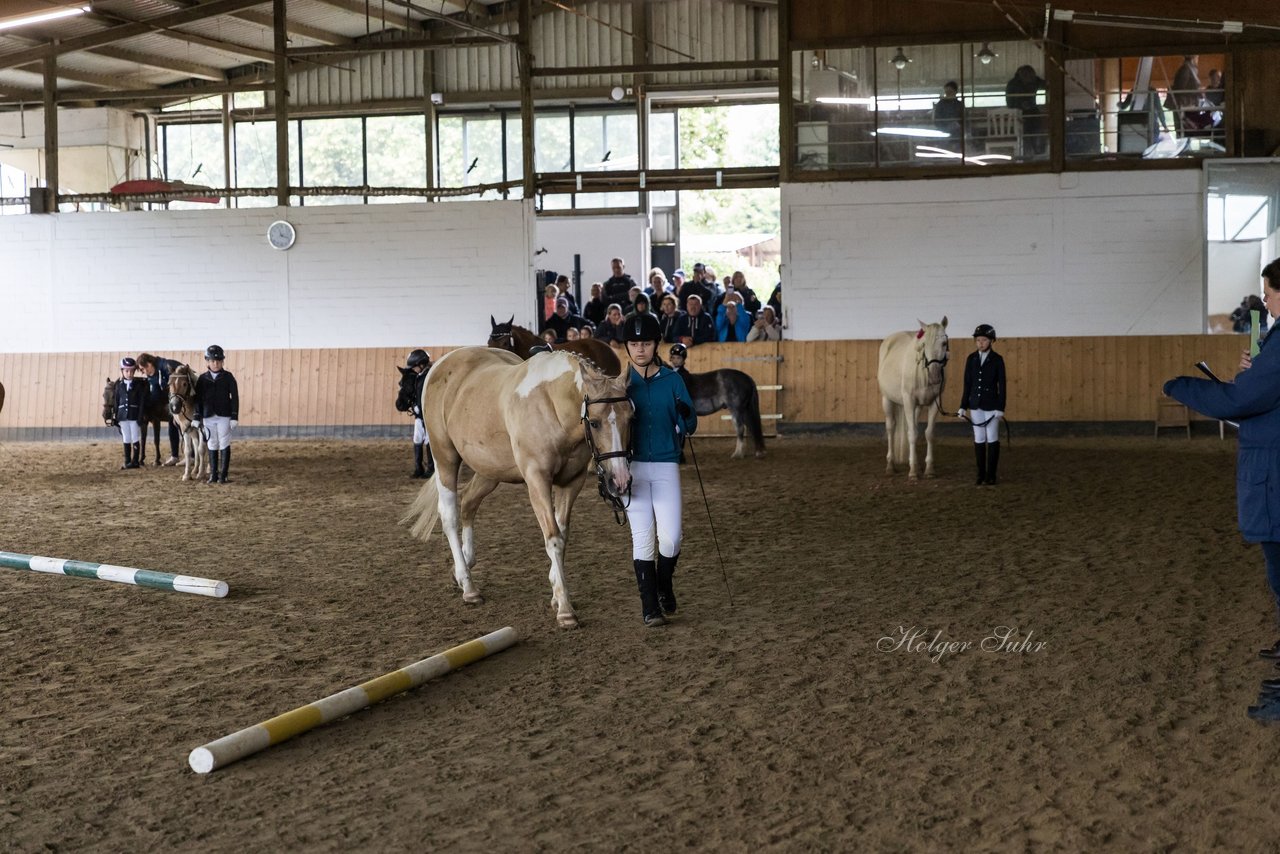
(725, 389)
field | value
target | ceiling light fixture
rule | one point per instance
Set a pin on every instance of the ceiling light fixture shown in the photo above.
(986, 54)
(41, 17)
(900, 60)
(924, 133)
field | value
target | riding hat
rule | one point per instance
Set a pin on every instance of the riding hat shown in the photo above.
(985, 331)
(213, 351)
(127, 362)
(418, 357)
(642, 327)
(679, 350)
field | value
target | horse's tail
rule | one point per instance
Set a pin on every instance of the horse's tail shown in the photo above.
(898, 439)
(753, 421)
(424, 513)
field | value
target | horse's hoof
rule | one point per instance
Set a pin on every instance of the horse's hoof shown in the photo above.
(473, 598)
(759, 455)
(567, 621)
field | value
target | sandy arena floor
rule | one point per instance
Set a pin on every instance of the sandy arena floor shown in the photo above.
(776, 723)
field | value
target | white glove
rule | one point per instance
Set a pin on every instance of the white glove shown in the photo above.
(999, 413)
(960, 413)
(234, 423)
(195, 422)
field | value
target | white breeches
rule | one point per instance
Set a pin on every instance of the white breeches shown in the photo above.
(989, 432)
(218, 429)
(419, 432)
(655, 503)
(130, 432)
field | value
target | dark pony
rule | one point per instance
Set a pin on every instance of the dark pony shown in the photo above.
(516, 339)
(732, 390)
(154, 412)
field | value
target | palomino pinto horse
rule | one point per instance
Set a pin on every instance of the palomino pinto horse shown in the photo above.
(912, 374)
(546, 423)
(732, 390)
(182, 406)
(516, 339)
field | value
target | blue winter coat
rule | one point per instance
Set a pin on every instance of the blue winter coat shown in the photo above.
(1253, 401)
(656, 431)
(742, 327)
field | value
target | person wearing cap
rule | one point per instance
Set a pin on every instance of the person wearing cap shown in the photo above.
(130, 398)
(218, 407)
(663, 417)
(419, 361)
(560, 322)
(982, 401)
(696, 327)
(157, 371)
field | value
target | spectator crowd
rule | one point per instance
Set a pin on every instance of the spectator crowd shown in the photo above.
(691, 309)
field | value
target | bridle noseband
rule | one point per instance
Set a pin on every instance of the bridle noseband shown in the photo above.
(616, 502)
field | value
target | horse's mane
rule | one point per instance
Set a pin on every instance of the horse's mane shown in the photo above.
(589, 364)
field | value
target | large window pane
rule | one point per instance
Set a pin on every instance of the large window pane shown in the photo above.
(332, 156)
(551, 143)
(255, 164)
(397, 154)
(193, 153)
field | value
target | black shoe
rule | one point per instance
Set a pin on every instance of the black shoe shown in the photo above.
(666, 592)
(980, 454)
(213, 467)
(1272, 653)
(419, 473)
(647, 581)
(226, 464)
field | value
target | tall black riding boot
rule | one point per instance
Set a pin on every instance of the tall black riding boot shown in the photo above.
(226, 463)
(418, 471)
(647, 580)
(213, 466)
(980, 451)
(128, 457)
(431, 463)
(993, 460)
(136, 463)
(666, 593)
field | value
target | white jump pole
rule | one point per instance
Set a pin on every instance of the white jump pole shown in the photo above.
(258, 737)
(110, 572)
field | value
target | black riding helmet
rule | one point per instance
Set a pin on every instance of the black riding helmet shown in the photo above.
(416, 358)
(213, 351)
(985, 330)
(642, 327)
(679, 350)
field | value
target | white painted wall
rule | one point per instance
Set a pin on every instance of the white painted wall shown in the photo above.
(598, 239)
(358, 276)
(1117, 253)
(1232, 274)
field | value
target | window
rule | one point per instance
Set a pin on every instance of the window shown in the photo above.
(255, 164)
(397, 154)
(332, 156)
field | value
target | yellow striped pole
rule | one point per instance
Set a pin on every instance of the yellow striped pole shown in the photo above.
(252, 739)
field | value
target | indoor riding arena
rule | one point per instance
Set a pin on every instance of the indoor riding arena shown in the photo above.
(251, 650)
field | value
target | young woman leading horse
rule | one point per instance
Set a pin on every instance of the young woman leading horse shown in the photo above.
(547, 423)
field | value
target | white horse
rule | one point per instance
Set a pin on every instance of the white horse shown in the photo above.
(912, 373)
(548, 423)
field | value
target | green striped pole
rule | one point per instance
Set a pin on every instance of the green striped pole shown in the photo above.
(250, 740)
(110, 572)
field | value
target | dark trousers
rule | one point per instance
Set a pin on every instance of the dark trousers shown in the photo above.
(1271, 551)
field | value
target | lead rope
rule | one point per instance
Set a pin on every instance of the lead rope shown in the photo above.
(723, 574)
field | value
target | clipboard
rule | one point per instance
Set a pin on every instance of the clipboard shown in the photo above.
(1203, 367)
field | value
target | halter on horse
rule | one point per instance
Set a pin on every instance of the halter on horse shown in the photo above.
(912, 374)
(546, 423)
(182, 406)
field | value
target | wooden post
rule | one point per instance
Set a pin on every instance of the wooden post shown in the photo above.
(282, 102)
(228, 134)
(786, 113)
(525, 59)
(51, 130)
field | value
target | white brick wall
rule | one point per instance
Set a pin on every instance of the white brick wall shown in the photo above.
(598, 239)
(1034, 255)
(358, 276)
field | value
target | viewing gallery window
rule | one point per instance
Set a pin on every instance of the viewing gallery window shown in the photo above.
(980, 105)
